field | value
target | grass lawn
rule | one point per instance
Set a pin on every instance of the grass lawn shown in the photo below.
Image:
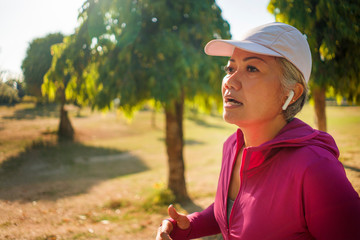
(109, 183)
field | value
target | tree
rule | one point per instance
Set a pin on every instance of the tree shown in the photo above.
(18, 85)
(37, 62)
(333, 31)
(71, 77)
(11, 90)
(153, 49)
(8, 95)
(55, 83)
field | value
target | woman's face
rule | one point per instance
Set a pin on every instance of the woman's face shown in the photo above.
(251, 90)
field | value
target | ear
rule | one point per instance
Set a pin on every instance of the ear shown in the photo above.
(298, 91)
(294, 94)
(288, 100)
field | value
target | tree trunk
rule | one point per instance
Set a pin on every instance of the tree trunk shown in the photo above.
(174, 147)
(66, 131)
(320, 108)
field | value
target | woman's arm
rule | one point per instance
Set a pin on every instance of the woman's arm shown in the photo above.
(201, 224)
(332, 206)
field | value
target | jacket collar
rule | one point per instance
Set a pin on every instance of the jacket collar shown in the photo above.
(296, 133)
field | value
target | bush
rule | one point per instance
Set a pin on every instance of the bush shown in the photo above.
(8, 95)
(160, 196)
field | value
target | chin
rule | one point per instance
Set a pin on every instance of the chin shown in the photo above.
(238, 120)
(230, 119)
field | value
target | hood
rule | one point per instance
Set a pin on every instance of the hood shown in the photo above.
(296, 134)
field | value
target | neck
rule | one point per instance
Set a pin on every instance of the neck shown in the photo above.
(257, 134)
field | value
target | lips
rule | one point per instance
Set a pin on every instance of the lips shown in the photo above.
(231, 101)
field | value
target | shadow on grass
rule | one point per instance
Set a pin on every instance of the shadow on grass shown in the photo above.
(203, 123)
(50, 171)
(41, 110)
(186, 141)
(351, 168)
(190, 206)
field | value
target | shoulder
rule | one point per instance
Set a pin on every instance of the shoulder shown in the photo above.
(306, 162)
(311, 157)
(323, 175)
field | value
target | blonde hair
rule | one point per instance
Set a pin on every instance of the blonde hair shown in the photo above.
(290, 76)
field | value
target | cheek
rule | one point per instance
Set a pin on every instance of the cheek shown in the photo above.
(223, 86)
(273, 99)
(265, 96)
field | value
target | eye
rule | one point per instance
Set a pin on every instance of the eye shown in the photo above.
(228, 69)
(251, 69)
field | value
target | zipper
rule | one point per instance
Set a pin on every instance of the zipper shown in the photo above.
(241, 180)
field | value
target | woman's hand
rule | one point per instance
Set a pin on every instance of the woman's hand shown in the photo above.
(166, 227)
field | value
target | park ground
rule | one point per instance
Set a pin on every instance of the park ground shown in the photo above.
(110, 182)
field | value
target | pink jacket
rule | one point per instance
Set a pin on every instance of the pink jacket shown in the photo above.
(292, 187)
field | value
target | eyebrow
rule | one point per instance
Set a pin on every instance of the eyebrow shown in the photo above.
(248, 58)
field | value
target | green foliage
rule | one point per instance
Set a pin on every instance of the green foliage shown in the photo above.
(70, 73)
(115, 204)
(8, 95)
(37, 62)
(11, 91)
(152, 49)
(18, 85)
(333, 31)
(160, 196)
(58, 75)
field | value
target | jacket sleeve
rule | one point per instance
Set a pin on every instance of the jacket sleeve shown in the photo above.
(331, 205)
(201, 224)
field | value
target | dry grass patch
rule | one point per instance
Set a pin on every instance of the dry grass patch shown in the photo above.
(109, 182)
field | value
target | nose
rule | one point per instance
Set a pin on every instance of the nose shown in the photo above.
(232, 81)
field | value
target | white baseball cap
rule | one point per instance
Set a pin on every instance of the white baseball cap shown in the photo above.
(273, 39)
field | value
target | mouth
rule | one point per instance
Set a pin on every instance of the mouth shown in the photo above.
(230, 101)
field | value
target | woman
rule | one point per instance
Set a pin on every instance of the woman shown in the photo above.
(280, 179)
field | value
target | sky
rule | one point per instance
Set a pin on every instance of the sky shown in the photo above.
(21, 21)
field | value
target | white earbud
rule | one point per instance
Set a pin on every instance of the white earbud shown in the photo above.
(287, 102)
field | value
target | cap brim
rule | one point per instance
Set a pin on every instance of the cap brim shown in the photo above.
(225, 48)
